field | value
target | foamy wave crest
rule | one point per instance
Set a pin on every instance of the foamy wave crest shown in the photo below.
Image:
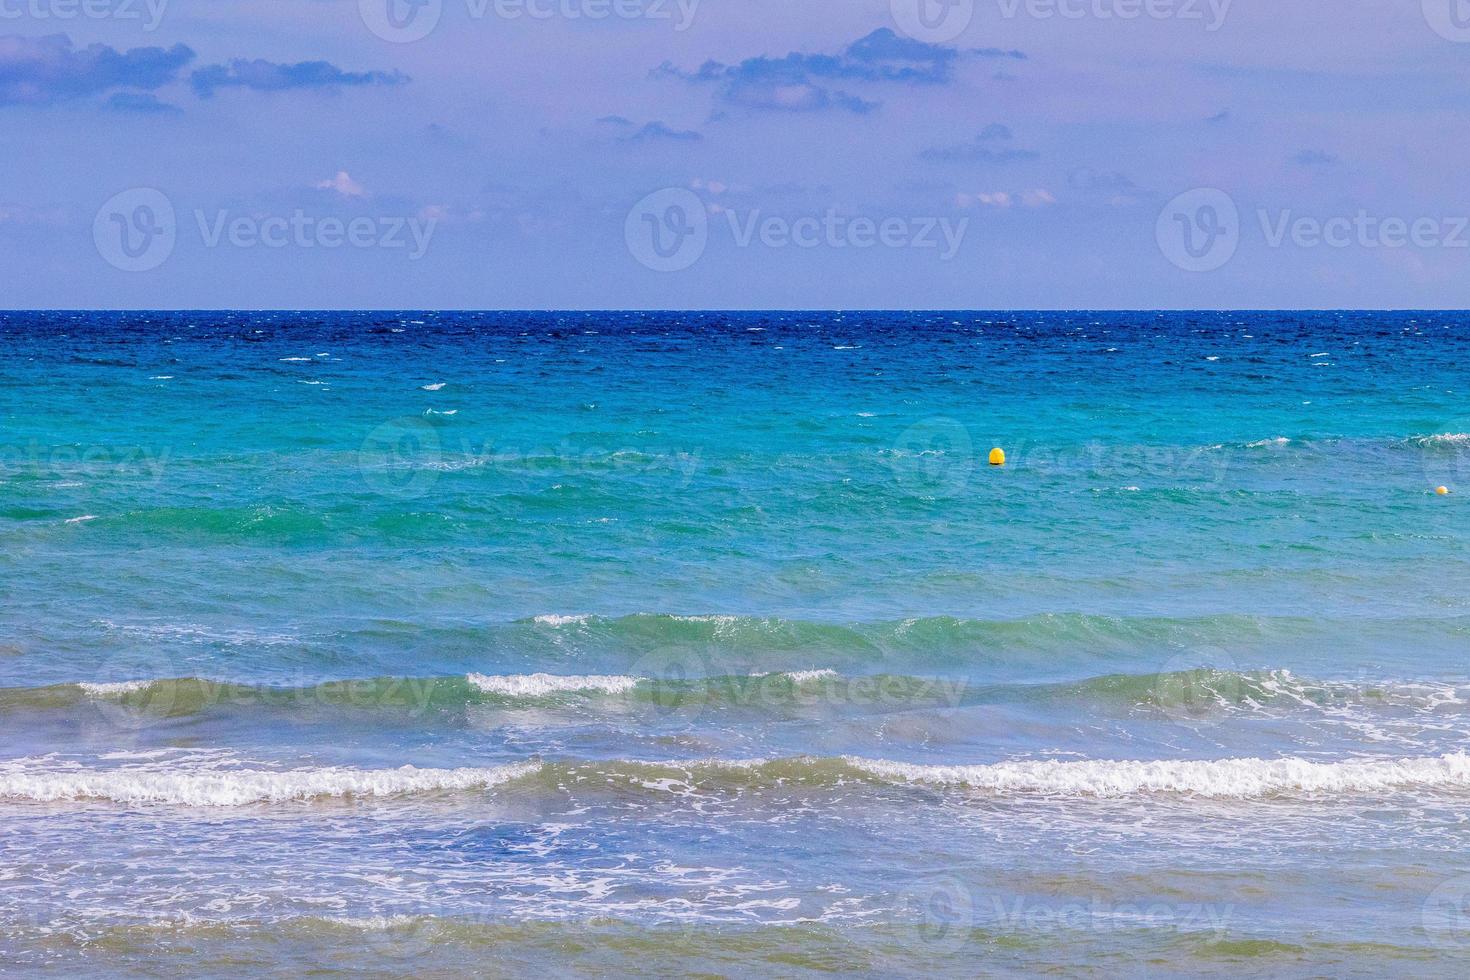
(111, 689)
(536, 685)
(806, 676)
(1442, 439)
(237, 787)
(555, 620)
(1218, 779)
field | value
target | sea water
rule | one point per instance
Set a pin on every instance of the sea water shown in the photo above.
(590, 643)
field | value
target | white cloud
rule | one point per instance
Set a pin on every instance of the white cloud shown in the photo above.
(343, 184)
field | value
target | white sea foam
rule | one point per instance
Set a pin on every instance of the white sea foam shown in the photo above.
(1278, 441)
(1442, 439)
(1220, 779)
(81, 520)
(375, 923)
(555, 620)
(805, 676)
(236, 787)
(536, 685)
(111, 689)
(438, 385)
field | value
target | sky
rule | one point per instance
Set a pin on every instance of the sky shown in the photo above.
(734, 154)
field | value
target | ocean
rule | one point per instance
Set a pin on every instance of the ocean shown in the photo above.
(711, 644)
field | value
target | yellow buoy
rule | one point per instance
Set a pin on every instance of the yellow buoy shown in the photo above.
(1442, 491)
(997, 457)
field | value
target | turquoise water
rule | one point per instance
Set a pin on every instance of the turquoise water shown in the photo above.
(713, 644)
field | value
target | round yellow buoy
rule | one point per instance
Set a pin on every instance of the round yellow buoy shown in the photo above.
(997, 457)
(1442, 491)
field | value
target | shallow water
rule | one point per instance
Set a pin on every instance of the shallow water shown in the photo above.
(705, 643)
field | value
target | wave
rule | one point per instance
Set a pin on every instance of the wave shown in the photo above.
(1216, 779)
(736, 644)
(48, 780)
(538, 685)
(1441, 440)
(190, 695)
(1198, 691)
(1207, 688)
(239, 787)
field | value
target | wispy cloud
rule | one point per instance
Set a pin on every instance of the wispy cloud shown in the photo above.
(653, 131)
(145, 103)
(803, 82)
(990, 146)
(43, 70)
(1314, 158)
(343, 184)
(268, 76)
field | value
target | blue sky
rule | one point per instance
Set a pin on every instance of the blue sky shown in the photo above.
(734, 153)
